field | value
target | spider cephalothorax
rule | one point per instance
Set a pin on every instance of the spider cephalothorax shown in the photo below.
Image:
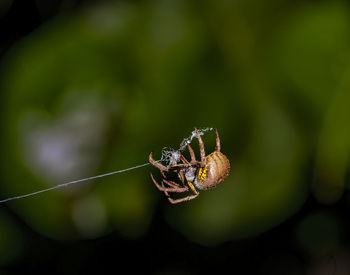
(194, 175)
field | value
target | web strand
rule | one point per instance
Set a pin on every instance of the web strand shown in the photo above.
(72, 182)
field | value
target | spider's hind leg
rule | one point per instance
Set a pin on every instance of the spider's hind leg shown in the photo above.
(201, 148)
(184, 160)
(174, 187)
(218, 146)
(169, 182)
(193, 157)
(173, 201)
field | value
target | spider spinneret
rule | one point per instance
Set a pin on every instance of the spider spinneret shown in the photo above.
(194, 175)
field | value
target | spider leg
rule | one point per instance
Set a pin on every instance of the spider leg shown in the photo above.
(169, 189)
(201, 148)
(184, 160)
(157, 164)
(218, 146)
(191, 197)
(187, 198)
(170, 183)
(193, 157)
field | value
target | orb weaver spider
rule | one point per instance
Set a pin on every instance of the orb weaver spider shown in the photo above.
(194, 175)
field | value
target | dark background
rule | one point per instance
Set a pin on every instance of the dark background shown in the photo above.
(88, 87)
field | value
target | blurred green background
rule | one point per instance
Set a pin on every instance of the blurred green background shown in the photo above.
(96, 86)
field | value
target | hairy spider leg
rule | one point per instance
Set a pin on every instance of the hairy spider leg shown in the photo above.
(183, 179)
(187, 198)
(171, 200)
(170, 183)
(162, 167)
(181, 199)
(186, 185)
(193, 157)
(157, 164)
(201, 149)
(169, 189)
(184, 160)
(218, 146)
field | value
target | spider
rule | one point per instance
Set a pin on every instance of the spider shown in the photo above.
(194, 175)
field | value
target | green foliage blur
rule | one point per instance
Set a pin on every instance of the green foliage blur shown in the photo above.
(98, 90)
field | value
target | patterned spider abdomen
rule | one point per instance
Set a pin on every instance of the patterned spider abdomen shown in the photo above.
(215, 171)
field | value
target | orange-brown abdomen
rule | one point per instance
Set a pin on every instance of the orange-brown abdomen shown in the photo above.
(215, 171)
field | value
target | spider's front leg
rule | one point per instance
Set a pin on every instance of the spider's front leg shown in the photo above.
(157, 164)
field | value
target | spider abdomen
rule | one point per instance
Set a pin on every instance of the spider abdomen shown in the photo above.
(216, 169)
